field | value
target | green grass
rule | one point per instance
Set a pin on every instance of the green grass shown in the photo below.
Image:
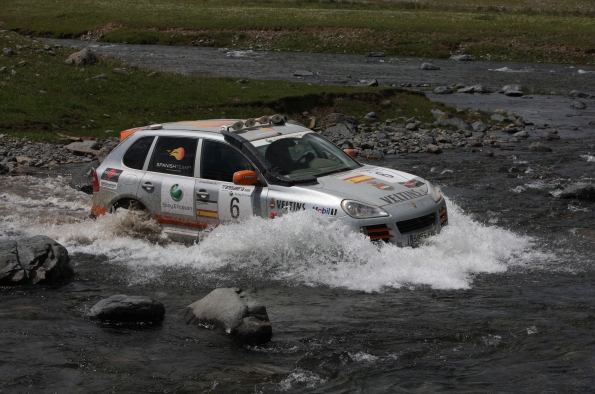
(521, 30)
(46, 97)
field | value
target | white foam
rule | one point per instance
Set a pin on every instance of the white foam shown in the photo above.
(301, 379)
(589, 158)
(298, 249)
(511, 70)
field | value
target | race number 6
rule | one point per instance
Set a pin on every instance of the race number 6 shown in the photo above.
(234, 209)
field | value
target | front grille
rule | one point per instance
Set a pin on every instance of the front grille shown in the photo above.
(407, 226)
(378, 232)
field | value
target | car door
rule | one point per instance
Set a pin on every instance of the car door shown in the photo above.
(167, 188)
(218, 199)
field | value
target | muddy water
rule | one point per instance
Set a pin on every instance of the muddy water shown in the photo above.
(501, 301)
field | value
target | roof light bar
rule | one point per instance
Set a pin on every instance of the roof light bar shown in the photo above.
(251, 122)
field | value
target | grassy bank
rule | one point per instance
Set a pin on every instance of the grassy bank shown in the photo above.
(41, 97)
(521, 30)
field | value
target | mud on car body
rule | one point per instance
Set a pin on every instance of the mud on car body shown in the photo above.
(193, 175)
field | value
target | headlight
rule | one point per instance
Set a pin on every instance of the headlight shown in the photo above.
(434, 192)
(362, 211)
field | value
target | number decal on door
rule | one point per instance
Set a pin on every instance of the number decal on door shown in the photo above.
(235, 202)
(234, 209)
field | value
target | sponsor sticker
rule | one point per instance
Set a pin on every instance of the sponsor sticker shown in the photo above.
(207, 214)
(291, 205)
(358, 178)
(384, 174)
(176, 196)
(382, 186)
(412, 183)
(177, 153)
(401, 196)
(108, 185)
(326, 211)
(235, 202)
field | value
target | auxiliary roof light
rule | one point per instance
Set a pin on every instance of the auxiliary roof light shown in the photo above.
(277, 119)
(249, 122)
(237, 126)
(263, 120)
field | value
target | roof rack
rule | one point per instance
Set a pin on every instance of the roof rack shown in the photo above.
(251, 122)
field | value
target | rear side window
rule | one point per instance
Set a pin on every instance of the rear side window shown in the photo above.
(174, 155)
(137, 153)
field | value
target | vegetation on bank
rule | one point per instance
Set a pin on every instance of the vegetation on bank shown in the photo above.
(43, 98)
(520, 30)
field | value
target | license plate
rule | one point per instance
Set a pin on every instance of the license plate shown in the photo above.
(415, 239)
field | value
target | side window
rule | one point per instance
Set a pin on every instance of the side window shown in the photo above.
(137, 153)
(220, 161)
(174, 155)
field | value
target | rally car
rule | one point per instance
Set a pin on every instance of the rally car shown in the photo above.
(194, 175)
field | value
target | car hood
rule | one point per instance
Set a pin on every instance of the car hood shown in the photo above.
(373, 185)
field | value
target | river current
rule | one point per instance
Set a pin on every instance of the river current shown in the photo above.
(500, 301)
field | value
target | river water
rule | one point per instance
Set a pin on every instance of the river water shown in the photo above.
(500, 301)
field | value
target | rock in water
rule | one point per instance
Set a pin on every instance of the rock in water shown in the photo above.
(586, 192)
(539, 147)
(429, 66)
(443, 90)
(33, 260)
(82, 180)
(121, 308)
(235, 312)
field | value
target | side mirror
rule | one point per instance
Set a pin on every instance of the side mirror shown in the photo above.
(351, 152)
(245, 178)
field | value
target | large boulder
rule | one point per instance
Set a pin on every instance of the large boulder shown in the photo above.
(585, 192)
(81, 58)
(33, 260)
(233, 311)
(121, 308)
(339, 131)
(82, 180)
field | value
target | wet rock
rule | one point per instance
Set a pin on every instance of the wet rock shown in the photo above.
(521, 134)
(82, 180)
(84, 147)
(585, 192)
(373, 82)
(578, 105)
(539, 147)
(462, 58)
(456, 122)
(429, 66)
(513, 93)
(375, 54)
(8, 52)
(576, 93)
(303, 73)
(474, 89)
(339, 131)
(337, 118)
(498, 118)
(443, 90)
(234, 311)
(436, 113)
(435, 149)
(33, 260)
(122, 308)
(82, 58)
(550, 135)
(371, 117)
(479, 126)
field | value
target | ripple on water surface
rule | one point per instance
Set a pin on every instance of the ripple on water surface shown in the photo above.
(298, 249)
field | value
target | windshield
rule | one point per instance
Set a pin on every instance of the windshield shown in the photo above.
(303, 154)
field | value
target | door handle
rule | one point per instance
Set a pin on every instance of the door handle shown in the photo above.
(148, 186)
(202, 195)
